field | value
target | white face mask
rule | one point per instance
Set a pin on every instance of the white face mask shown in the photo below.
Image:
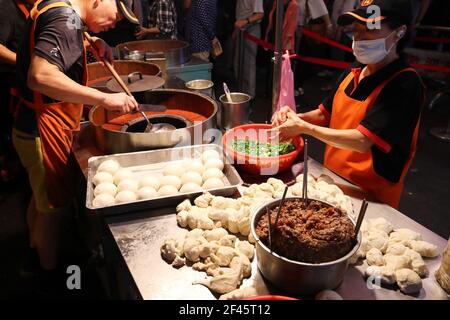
(371, 51)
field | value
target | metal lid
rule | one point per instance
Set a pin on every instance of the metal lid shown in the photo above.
(136, 82)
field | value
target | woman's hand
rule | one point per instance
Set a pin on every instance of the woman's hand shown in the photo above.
(292, 127)
(281, 116)
(102, 51)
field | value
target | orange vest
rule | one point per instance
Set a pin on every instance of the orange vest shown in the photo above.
(355, 166)
(56, 123)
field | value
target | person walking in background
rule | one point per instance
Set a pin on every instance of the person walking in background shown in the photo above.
(162, 21)
(201, 27)
(290, 17)
(248, 16)
(312, 14)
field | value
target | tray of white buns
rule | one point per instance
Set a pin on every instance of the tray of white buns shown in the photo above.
(136, 181)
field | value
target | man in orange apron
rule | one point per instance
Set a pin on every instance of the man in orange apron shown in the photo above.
(370, 122)
(51, 81)
(13, 17)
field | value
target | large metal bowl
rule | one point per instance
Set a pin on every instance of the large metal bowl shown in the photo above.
(176, 52)
(117, 140)
(294, 276)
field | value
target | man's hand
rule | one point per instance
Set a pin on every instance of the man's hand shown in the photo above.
(102, 50)
(119, 102)
(292, 127)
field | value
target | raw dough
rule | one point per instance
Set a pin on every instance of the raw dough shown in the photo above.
(408, 281)
(425, 249)
(167, 190)
(174, 170)
(150, 181)
(195, 165)
(210, 154)
(212, 173)
(203, 200)
(185, 205)
(125, 196)
(245, 248)
(128, 184)
(192, 177)
(190, 187)
(215, 234)
(102, 176)
(171, 181)
(110, 166)
(122, 174)
(103, 200)
(375, 257)
(213, 183)
(105, 187)
(147, 193)
(214, 163)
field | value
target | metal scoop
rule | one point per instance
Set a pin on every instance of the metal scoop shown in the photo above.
(158, 127)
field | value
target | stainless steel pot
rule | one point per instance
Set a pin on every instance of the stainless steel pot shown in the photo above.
(176, 52)
(202, 86)
(294, 276)
(119, 141)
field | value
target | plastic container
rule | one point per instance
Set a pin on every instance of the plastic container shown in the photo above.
(255, 164)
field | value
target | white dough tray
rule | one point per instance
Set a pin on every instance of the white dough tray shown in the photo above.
(152, 163)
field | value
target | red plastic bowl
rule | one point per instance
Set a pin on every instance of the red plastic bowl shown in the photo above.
(255, 164)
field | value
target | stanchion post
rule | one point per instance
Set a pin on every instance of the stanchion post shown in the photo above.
(241, 44)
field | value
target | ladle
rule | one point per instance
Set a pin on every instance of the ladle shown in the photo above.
(158, 127)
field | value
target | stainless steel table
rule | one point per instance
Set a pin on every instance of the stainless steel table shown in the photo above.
(140, 237)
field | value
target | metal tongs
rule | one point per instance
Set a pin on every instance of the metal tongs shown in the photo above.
(276, 218)
(305, 173)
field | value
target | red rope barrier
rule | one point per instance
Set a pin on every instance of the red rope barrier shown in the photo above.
(432, 40)
(334, 63)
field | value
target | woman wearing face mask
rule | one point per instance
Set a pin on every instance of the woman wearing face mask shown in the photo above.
(370, 121)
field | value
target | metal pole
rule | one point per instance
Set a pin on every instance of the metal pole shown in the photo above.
(277, 59)
(241, 58)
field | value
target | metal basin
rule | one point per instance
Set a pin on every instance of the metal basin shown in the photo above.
(294, 276)
(176, 52)
(196, 111)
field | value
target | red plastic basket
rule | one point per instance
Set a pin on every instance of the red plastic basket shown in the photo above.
(255, 164)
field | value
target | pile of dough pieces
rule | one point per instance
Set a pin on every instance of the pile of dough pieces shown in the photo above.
(210, 246)
(114, 185)
(394, 256)
(324, 189)
(221, 255)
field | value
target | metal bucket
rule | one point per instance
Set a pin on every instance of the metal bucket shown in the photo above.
(234, 113)
(294, 276)
(202, 86)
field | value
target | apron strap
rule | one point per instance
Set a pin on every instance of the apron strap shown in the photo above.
(35, 13)
(23, 8)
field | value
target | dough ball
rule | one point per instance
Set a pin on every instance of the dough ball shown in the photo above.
(195, 165)
(171, 181)
(103, 200)
(128, 184)
(122, 174)
(213, 183)
(174, 170)
(150, 181)
(190, 187)
(167, 190)
(125, 196)
(147, 193)
(193, 177)
(214, 163)
(105, 187)
(210, 154)
(102, 176)
(212, 173)
(111, 166)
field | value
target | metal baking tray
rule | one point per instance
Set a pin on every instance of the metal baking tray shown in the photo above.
(153, 162)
